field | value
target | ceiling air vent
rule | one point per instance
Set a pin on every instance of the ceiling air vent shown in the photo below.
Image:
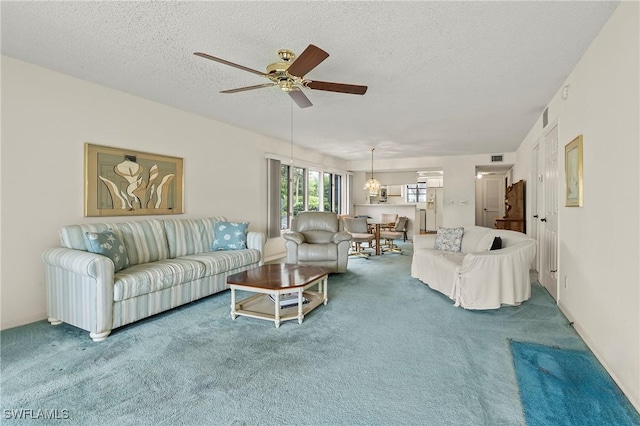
(497, 158)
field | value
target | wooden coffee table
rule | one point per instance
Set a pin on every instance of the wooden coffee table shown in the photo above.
(276, 280)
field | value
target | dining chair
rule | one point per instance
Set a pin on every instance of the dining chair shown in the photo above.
(397, 232)
(359, 231)
(388, 221)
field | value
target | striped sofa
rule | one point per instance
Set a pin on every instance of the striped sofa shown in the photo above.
(170, 264)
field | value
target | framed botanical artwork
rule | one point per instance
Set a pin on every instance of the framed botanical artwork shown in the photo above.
(122, 182)
(573, 173)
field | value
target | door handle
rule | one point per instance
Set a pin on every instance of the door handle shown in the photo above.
(485, 210)
(544, 219)
(536, 216)
(554, 271)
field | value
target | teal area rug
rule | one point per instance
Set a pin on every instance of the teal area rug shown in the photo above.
(571, 386)
(385, 350)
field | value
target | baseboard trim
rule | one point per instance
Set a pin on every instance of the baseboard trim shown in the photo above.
(17, 322)
(592, 346)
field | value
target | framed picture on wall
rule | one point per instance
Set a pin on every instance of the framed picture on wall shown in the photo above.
(573, 173)
(123, 182)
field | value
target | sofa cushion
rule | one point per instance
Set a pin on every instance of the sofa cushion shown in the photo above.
(145, 240)
(456, 258)
(216, 262)
(318, 252)
(108, 244)
(318, 237)
(477, 238)
(190, 236)
(147, 278)
(449, 239)
(230, 236)
(317, 221)
(437, 268)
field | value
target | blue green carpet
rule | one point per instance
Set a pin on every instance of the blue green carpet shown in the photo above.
(385, 350)
(571, 385)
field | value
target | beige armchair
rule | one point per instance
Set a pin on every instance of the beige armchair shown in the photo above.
(315, 239)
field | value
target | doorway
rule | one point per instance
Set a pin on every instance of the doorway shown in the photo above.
(491, 182)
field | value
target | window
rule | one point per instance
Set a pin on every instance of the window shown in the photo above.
(327, 187)
(417, 193)
(298, 187)
(284, 197)
(314, 191)
(302, 189)
(337, 194)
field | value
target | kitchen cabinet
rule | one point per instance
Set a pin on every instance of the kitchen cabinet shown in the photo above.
(394, 190)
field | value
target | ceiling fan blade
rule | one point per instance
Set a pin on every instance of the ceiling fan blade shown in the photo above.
(242, 89)
(300, 98)
(231, 64)
(308, 60)
(337, 87)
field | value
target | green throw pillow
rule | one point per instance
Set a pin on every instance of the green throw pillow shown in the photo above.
(108, 244)
(230, 236)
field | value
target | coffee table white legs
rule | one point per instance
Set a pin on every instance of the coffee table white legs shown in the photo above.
(322, 287)
(300, 316)
(233, 304)
(277, 308)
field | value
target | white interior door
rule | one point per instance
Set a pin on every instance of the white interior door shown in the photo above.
(492, 187)
(548, 273)
(535, 188)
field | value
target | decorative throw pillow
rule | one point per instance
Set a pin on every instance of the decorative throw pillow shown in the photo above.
(449, 239)
(497, 244)
(230, 236)
(107, 243)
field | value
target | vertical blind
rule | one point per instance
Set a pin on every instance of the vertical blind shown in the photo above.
(273, 198)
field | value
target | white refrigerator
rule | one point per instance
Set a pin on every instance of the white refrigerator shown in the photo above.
(435, 204)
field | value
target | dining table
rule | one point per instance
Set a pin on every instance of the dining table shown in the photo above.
(375, 227)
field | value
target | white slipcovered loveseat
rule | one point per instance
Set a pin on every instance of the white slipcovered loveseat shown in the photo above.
(476, 277)
(170, 263)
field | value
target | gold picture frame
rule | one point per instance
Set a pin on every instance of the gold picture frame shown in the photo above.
(122, 182)
(573, 188)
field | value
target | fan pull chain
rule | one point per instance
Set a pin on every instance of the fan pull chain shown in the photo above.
(291, 103)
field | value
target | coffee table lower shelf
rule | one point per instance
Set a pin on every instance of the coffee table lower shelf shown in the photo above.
(262, 307)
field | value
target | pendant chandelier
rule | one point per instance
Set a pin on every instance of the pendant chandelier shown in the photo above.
(372, 186)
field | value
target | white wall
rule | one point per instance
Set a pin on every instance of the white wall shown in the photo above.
(599, 249)
(46, 119)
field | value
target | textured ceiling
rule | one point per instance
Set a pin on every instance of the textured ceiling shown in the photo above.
(444, 78)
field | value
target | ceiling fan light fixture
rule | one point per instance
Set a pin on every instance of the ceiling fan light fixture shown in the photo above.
(286, 85)
(288, 75)
(372, 186)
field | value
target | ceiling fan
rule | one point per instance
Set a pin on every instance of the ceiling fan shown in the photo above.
(289, 75)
